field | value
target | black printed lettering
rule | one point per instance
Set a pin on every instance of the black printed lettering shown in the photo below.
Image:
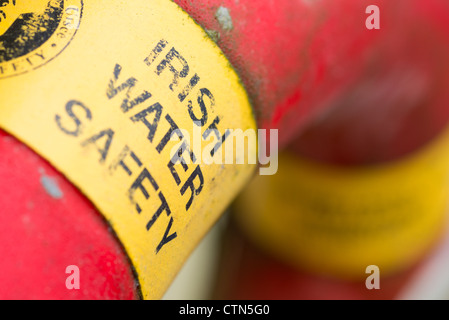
(40, 55)
(121, 160)
(193, 82)
(173, 129)
(221, 139)
(166, 238)
(178, 158)
(128, 85)
(156, 52)
(204, 114)
(70, 106)
(169, 61)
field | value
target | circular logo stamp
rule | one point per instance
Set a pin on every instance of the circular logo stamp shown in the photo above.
(32, 33)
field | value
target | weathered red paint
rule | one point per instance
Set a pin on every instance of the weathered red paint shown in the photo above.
(376, 94)
(248, 273)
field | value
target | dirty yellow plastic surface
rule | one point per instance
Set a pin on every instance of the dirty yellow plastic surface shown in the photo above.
(100, 99)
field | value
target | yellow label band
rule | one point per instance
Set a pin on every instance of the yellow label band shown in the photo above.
(339, 221)
(103, 111)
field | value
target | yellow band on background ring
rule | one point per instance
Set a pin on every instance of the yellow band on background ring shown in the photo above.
(114, 86)
(338, 221)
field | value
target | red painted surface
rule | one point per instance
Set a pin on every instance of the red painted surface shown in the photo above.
(376, 94)
(247, 273)
(353, 96)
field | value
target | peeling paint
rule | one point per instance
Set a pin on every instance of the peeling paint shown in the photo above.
(224, 18)
(213, 34)
(51, 187)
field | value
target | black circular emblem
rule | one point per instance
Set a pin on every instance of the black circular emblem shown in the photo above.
(32, 33)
